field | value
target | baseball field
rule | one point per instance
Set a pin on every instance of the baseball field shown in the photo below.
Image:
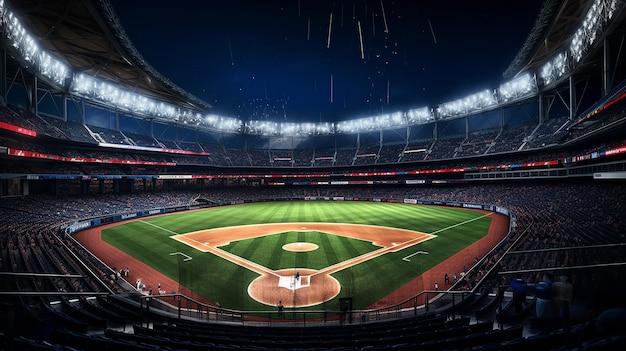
(306, 254)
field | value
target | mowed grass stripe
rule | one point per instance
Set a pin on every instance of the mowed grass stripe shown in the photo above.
(361, 216)
(261, 216)
(327, 213)
(316, 215)
(272, 256)
(302, 258)
(328, 242)
(268, 252)
(220, 280)
(346, 246)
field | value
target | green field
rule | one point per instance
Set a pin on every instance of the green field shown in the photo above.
(267, 250)
(226, 283)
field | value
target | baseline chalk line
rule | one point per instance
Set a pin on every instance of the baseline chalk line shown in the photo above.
(413, 254)
(186, 257)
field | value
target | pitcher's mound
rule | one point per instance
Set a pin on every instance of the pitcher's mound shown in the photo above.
(300, 247)
(311, 289)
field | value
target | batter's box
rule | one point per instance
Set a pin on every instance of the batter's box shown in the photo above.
(293, 282)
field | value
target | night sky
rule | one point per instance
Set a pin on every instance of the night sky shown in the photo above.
(312, 61)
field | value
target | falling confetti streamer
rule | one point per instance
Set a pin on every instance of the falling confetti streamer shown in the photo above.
(384, 16)
(332, 87)
(361, 41)
(230, 49)
(308, 29)
(432, 31)
(387, 91)
(330, 29)
(342, 14)
(373, 25)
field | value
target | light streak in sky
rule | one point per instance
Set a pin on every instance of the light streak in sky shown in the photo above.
(230, 49)
(432, 31)
(387, 91)
(361, 40)
(373, 25)
(342, 14)
(332, 87)
(330, 29)
(384, 16)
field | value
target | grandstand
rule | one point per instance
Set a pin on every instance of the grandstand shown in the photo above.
(546, 149)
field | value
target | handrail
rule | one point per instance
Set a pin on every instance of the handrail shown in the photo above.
(53, 293)
(209, 312)
(45, 275)
(567, 248)
(564, 268)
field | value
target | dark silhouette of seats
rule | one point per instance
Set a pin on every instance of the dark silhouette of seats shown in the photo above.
(113, 304)
(62, 319)
(102, 311)
(77, 311)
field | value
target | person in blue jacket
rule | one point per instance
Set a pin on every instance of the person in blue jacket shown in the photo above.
(519, 287)
(543, 293)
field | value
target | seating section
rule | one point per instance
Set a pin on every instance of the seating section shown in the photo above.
(345, 156)
(303, 157)
(324, 157)
(143, 140)
(564, 233)
(390, 153)
(477, 144)
(59, 296)
(367, 154)
(510, 138)
(191, 146)
(444, 149)
(547, 133)
(606, 113)
(256, 157)
(417, 151)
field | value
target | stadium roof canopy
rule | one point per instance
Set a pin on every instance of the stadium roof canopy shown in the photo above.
(88, 37)
(552, 32)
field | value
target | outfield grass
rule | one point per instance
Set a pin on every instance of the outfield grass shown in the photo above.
(226, 283)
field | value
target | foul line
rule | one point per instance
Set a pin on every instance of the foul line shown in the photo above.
(373, 254)
(413, 254)
(187, 258)
(444, 229)
(156, 226)
(255, 267)
(459, 224)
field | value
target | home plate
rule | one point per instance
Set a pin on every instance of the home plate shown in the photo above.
(291, 283)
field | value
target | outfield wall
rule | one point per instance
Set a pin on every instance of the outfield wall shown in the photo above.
(80, 225)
